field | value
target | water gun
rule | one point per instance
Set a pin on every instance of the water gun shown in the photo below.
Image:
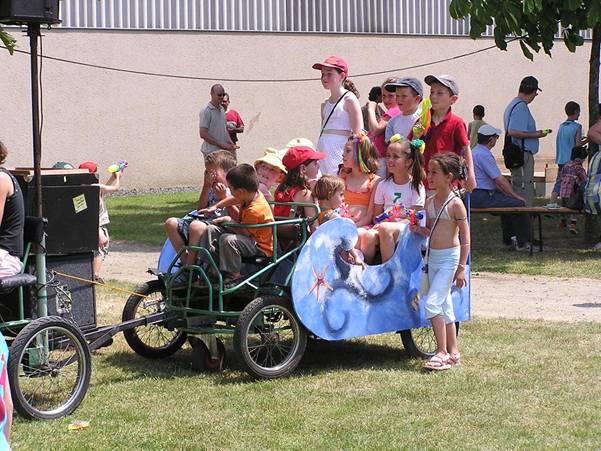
(343, 211)
(397, 211)
(422, 125)
(118, 167)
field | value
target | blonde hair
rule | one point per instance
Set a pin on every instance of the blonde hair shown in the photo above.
(327, 186)
(222, 159)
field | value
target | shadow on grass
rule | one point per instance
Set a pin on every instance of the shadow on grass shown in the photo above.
(320, 356)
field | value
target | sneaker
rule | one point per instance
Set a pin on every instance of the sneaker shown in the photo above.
(573, 229)
(527, 247)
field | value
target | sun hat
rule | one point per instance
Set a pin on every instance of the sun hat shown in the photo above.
(489, 130)
(335, 62)
(90, 166)
(405, 82)
(297, 155)
(272, 157)
(300, 142)
(446, 80)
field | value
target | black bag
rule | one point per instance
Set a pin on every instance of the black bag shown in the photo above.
(576, 199)
(513, 155)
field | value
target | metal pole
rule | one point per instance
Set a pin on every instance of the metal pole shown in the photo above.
(33, 31)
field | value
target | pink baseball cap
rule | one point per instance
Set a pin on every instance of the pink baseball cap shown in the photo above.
(335, 62)
(89, 165)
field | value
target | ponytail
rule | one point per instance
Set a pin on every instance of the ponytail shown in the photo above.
(350, 86)
(416, 152)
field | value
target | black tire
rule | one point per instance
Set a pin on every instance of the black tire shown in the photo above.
(49, 381)
(421, 342)
(202, 360)
(153, 341)
(259, 339)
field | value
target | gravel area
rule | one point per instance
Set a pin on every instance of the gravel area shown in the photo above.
(493, 295)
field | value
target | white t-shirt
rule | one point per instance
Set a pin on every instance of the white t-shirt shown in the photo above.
(401, 124)
(387, 191)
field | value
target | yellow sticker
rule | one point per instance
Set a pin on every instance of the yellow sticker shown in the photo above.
(79, 203)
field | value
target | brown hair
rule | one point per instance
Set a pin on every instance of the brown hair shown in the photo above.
(295, 177)
(3, 152)
(348, 84)
(367, 153)
(450, 163)
(243, 176)
(412, 151)
(327, 186)
(223, 159)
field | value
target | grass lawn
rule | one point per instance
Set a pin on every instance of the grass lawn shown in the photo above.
(141, 218)
(523, 384)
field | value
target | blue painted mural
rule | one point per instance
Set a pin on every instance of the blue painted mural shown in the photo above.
(337, 300)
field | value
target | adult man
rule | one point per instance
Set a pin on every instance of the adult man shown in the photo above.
(521, 126)
(212, 127)
(493, 190)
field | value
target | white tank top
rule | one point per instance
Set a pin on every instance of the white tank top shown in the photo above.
(340, 119)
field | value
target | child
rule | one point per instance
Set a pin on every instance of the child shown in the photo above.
(270, 170)
(111, 186)
(359, 165)
(189, 229)
(409, 94)
(572, 174)
(447, 131)
(569, 135)
(6, 402)
(404, 185)
(329, 192)
(449, 245)
(474, 126)
(235, 243)
(301, 163)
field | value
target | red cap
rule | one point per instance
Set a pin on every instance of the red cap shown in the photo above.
(90, 166)
(334, 62)
(297, 155)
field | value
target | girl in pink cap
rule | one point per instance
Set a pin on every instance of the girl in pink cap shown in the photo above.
(340, 113)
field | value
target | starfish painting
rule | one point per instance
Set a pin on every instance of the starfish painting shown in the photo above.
(320, 280)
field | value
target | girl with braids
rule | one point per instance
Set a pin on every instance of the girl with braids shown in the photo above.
(404, 186)
(448, 250)
(340, 113)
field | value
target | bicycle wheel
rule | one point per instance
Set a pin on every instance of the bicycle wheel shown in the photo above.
(49, 368)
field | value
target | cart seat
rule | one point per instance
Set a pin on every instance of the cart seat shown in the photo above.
(7, 284)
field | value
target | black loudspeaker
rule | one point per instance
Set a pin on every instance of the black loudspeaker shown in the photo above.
(71, 204)
(82, 294)
(29, 11)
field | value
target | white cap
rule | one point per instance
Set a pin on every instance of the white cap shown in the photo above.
(489, 130)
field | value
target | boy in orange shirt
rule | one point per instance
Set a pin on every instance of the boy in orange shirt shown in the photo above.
(234, 243)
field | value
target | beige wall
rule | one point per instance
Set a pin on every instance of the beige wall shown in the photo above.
(92, 114)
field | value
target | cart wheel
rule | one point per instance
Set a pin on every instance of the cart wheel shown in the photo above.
(153, 341)
(201, 356)
(269, 338)
(419, 342)
(49, 368)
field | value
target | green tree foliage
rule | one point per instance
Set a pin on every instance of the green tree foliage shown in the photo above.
(8, 41)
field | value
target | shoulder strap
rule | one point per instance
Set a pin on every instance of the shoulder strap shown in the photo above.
(332, 112)
(452, 196)
(509, 118)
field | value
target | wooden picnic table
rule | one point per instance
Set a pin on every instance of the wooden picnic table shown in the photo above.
(538, 212)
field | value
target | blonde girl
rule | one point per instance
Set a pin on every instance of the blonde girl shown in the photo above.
(404, 186)
(449, 246)
(340, 113)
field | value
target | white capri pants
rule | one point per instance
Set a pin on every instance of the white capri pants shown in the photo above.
(442, 264)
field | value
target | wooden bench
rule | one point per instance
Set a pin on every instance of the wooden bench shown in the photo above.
(537, 212)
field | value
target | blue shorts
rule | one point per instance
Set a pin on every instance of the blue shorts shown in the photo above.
(442, 264)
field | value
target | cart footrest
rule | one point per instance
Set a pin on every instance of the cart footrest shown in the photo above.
(8, 284)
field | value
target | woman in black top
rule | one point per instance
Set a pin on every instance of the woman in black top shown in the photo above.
(12, 220)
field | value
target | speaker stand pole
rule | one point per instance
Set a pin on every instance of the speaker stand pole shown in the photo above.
(33, 31)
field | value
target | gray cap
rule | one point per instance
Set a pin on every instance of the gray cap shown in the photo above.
(447, 80)
(489, 130)
(406, 82)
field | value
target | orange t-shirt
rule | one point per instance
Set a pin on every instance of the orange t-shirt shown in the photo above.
(258, 211)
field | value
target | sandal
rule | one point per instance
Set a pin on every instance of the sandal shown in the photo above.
(438, 362)
(455, 359)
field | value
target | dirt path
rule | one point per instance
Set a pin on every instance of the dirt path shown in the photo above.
(493, 295)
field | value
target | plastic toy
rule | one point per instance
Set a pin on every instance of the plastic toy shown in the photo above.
(118, 167)
(398, 211)
(422, 125)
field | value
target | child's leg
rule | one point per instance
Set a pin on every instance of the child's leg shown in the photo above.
(388, 233)
(440, 333)
(101, 253)
(232, 248)
(451, 337)
(367, 243)
(195, 232)
(171, 228)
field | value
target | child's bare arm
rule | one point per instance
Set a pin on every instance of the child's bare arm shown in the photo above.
(224, 203)
(470, 183)
(368, 218)
(112, 185)
(460, 216)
